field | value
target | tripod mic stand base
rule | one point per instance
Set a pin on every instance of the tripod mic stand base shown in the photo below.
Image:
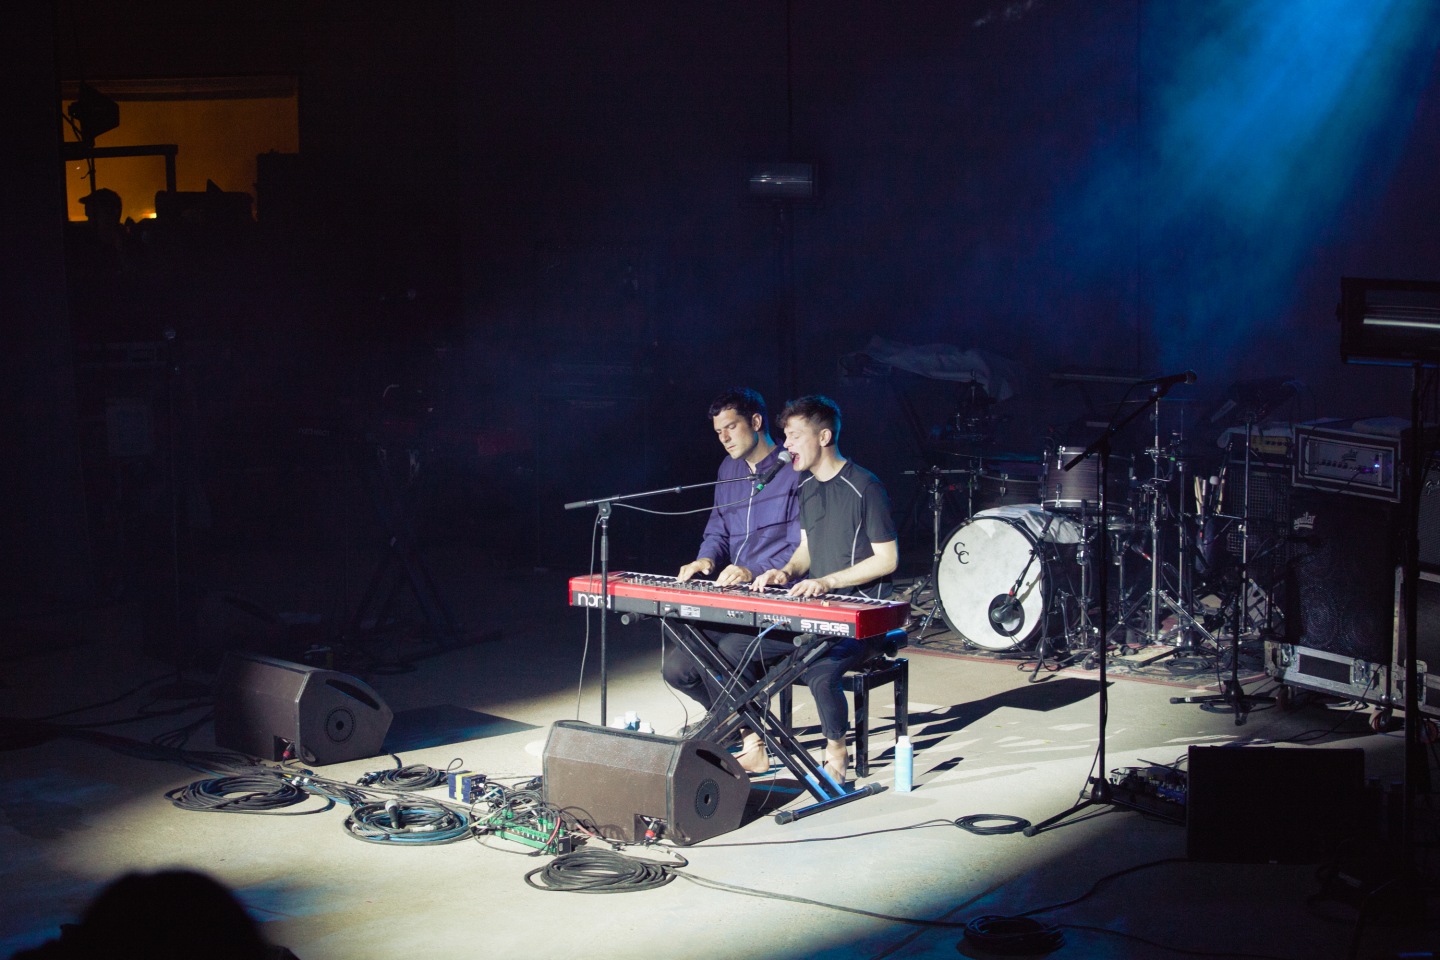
(1231, 695)
(1100, 792)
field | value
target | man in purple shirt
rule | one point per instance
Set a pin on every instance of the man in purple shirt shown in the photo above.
(749, 531)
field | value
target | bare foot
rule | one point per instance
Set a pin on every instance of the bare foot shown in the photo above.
(837, 759)
(752, 756)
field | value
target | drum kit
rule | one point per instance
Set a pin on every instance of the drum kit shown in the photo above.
(1018, 575)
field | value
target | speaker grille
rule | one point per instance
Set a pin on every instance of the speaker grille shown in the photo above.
(1341, 598)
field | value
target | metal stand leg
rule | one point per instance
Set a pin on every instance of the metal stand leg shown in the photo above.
(750, 708)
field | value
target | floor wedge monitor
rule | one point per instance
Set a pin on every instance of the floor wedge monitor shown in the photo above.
(266, 707)
(621, 783)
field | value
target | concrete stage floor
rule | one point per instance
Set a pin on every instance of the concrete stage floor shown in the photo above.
(891, 875)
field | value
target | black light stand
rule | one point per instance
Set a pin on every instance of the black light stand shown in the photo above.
(1097, 789)
(1395, 321)
(179, 688)
(1417, 772)
(402, 563)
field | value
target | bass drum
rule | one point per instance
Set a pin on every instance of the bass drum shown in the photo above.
(980, 562)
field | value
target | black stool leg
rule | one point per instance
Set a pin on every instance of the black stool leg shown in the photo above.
(902, 699)
(862, 725)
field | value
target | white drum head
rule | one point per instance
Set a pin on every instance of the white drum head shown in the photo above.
(978, 566)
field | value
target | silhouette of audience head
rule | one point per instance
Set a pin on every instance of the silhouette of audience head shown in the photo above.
(168, 915)
(103, 206)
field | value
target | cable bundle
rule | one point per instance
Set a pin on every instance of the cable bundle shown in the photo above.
(415, 776)
(406, 821)
(991, 824)
(262, 793)
(600, 871)
(1013, 935)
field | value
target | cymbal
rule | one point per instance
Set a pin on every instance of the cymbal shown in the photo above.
(1010, 457)
(981, 457)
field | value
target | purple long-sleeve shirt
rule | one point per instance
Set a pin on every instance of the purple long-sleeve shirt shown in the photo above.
(757, 532)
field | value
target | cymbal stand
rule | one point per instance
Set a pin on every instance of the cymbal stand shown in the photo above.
(1084, 628)
(1159, 595)
(1187, 626)
(1232, 694)
(1157, 485)
(936, 491)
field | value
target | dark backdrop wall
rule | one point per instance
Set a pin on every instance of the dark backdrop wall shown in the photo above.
(532, 221)
(1137, 187)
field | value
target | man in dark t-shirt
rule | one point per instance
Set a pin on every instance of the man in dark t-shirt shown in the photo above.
(848, 545)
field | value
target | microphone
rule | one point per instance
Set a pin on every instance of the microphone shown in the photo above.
(1187, 377)
(775, 468)
(1006, 615)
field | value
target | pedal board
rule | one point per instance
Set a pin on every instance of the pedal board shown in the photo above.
(1158, 790)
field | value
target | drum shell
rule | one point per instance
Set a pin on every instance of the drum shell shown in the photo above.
(1077, 490)
(1008, 484)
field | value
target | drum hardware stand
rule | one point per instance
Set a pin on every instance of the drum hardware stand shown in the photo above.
(1183, 606)
(936, 491)
(1084, 627)
(1158, 596)
(1007, 615)
(1232, 693)
(1098, 790)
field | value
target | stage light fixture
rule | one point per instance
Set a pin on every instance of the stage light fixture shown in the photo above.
(1389, 321)
(94, 113)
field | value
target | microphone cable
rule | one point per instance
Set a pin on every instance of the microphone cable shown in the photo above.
(601, 871)
(407, 821)
(415, 776)
(263, 793)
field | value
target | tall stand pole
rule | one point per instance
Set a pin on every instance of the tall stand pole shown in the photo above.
(1416, 770)
(1098, 788)
(602, 517)
(1155, 556)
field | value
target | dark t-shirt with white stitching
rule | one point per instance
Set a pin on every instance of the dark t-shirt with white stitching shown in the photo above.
(842, 518)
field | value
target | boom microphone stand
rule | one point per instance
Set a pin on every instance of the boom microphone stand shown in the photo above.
(604, 507)
(1097, 789)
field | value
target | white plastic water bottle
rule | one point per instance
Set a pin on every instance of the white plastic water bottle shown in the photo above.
(904, 765)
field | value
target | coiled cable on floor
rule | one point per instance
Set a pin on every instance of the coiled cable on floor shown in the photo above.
(415, 776)
(600, 871)
(406, 821)
(1012, 935)
(244, 794)
(991, 824)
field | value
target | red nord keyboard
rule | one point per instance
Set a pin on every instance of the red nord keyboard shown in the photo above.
(703, 601)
